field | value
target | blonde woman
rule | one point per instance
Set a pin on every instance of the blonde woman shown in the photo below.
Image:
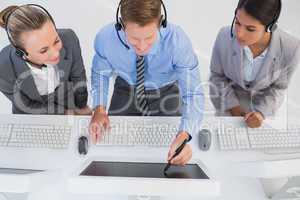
(41, 71)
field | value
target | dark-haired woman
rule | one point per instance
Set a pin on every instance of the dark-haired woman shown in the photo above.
(252, 63)
(41, 71)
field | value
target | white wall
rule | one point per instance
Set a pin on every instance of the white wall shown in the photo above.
(200, 19)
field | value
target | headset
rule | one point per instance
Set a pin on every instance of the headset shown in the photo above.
(20, 52)
(119, 25)
(271, 27)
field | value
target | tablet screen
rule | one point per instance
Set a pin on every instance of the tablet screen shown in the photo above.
(143, 170)
(18, 171)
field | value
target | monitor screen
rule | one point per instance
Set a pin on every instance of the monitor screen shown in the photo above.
(18, 171)
(143, 170)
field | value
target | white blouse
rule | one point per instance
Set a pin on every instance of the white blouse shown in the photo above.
(252, 65)
(46, 79)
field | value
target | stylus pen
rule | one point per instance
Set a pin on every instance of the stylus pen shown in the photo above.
(177, 152)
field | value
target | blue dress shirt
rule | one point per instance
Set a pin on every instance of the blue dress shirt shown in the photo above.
(171, 59)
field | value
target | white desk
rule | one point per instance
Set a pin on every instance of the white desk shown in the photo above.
(60, 163)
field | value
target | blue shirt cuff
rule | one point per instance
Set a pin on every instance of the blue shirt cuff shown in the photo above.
(191, 126)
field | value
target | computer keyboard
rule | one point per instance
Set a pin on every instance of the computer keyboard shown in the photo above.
(35, 136)
(139, 132)
(258, 139)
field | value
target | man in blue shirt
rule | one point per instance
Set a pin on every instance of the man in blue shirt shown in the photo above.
(155, 65)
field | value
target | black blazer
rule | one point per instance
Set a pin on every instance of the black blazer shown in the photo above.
(17, 84)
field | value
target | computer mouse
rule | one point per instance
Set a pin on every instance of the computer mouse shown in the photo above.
(204, 138)
(83, 145)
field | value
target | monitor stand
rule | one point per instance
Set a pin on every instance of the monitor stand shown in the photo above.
(282, 188)
(291, 190)
(272, 185)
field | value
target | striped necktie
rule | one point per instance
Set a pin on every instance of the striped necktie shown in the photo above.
(140, 86)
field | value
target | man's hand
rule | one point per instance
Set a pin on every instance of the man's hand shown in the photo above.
(237, 111)
(99, 124)
(186, 153)
(254, 119)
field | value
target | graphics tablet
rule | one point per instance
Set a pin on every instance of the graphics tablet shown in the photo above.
(143, 170)
(142, 178)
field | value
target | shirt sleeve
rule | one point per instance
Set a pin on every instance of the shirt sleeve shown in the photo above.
(101, 73)
(188, 76)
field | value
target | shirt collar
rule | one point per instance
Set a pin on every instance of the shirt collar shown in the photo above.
(249, 55)
(35, 69)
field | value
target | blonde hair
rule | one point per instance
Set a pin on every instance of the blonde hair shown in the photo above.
(19, 19)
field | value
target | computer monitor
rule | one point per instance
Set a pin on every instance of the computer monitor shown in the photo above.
(14, 180)
(18, 171)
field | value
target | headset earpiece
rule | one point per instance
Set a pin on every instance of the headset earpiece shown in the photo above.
(21, 53)
(273, 25)
(163, 22)
(164, 18)
(118, 26)
(271, 28)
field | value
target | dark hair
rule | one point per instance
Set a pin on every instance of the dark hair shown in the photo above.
(20, 19)
(265, 11)
(141, 12)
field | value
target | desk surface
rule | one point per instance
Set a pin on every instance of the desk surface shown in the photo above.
(60, 163)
